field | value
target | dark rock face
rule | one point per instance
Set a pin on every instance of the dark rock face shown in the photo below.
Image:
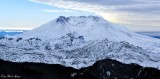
(35, 71)
(62, 19)
(111, 69)
(104, 69)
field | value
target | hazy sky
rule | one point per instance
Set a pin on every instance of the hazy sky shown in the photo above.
(137, 15)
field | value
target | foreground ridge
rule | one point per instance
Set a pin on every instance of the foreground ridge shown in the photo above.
(108, 69)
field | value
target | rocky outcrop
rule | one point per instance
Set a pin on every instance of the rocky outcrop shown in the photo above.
(111, 69)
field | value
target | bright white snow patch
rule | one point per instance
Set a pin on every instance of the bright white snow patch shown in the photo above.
(80, 42)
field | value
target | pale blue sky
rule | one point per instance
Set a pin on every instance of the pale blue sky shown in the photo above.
(137, 15)
(27, 14)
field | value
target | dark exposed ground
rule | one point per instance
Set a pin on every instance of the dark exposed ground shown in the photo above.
(104, 69)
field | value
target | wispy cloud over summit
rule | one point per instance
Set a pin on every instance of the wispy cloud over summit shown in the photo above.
(57, 11)
(121, 11)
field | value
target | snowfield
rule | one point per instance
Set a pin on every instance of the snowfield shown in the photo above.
(79, 42)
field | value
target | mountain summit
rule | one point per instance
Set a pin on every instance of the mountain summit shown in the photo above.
(79, 42)
(90, 27)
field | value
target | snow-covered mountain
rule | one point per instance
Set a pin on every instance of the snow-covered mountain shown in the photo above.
(79, 42)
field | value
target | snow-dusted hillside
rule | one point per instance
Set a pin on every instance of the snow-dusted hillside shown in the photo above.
(79, 42)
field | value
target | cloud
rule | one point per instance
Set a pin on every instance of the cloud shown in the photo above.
(57, 11)
(120, 11)
(108, 2)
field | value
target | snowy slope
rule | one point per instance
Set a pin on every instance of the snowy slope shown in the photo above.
(91, 28)
(79, 42)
